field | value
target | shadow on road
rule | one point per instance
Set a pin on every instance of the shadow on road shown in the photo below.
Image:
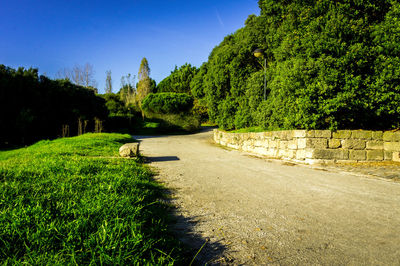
(162, 159)
(201, 130)
(209, 252)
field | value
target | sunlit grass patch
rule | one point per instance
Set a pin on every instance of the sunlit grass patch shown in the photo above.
(248, 129)
(68, 201)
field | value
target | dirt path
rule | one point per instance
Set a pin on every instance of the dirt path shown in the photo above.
(257, 211)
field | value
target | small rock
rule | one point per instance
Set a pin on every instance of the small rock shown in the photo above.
(129, 150)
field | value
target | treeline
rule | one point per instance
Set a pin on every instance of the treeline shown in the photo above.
(330, 65)
(34, 107)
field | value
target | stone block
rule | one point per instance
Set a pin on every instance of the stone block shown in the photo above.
(358, 155)
(289, 134)
(244, 136)
(323, 134)
(259, 143)
(268, 134)
(326, 154)
(341, 134)
(334, 143)
(301, 143)
(309, 153)
(396, 157)
(353, 144)
(282, 153)
(272, 152)
(129, 150)
(299, 133)
(300, 154)
(283, 135)
(374, 145)
(388, 155)
(310, 133)
(273, 143)
(259, 135)
(391, 136)
(361, 134)
(259, 150)
(292, 144)
(375, 155)
(290, 154)
(316, 143)
(391, 146)
(233, 146)
(283, 144)
(377, 135)
(265, 143)
(346, 161)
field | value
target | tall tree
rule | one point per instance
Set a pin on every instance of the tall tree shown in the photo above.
(145, 84)
(144, 69)
(108, 82)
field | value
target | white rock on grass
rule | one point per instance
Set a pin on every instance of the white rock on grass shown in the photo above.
(129, 150)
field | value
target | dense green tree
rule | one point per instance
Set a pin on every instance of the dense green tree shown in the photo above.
(167, 103)
(179, 80)
(331, 64)
(33, 107)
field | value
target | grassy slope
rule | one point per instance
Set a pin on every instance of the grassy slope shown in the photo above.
(67, 201)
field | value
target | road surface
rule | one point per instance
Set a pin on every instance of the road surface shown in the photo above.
(256, 211)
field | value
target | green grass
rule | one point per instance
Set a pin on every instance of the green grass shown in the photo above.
(208, 124)
(73, 201)
(248, 129)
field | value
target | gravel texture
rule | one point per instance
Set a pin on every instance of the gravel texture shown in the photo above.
(256, 211)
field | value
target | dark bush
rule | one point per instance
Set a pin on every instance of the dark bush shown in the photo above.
(33, 107)
(167, 103)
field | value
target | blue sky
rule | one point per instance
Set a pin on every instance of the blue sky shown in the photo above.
(116, 35)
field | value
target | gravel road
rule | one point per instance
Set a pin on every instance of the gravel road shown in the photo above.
(256, 211)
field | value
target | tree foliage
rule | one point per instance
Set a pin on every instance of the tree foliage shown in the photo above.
(33, 107)
(172, 110)
(108, 82)
(146, 85)
(179, 80)
(330, 64)
(167, 103)
(144, 69)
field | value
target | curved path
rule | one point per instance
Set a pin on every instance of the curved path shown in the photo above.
(257, 211)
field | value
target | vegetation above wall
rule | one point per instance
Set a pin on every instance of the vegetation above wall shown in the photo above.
(330, 64)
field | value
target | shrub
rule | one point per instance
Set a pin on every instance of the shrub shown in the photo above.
(167, 103)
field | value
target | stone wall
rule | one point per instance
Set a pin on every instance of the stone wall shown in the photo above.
(316, 146)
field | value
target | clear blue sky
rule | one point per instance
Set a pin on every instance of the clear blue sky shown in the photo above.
(116, 35)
